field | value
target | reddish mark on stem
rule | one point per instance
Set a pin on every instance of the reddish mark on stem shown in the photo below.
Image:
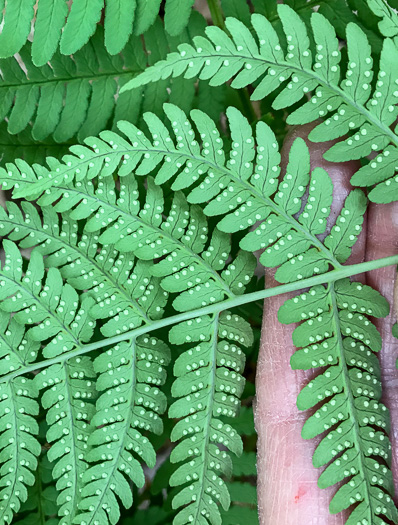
(301, 492)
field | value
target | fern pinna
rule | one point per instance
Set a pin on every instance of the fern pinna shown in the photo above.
(351, 104)
(114, 246)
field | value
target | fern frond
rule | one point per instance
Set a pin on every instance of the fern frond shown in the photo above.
(130, 375)
(243, 187)
(19, 447)
(125, 293)
(70, 29)
(347, 102)
(69, 388)
(189, 261)
(208, 385)
(338, 337)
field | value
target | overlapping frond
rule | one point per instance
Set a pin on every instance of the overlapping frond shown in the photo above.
(129, 406)
(70, 27)
(209, 383)
(243, 188)
(79, 96)
(187, 260)
(24, 146)
(346, 99)
(126, 294)
(337, 336)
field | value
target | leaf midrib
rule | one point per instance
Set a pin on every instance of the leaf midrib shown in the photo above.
(128, 420)
(267, 201)
(213, 364)
(68, 80)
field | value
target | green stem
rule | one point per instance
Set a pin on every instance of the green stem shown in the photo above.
(216, 13)
(330, 277)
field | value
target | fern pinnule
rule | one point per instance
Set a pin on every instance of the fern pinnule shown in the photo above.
(348, 104)
(69, 391)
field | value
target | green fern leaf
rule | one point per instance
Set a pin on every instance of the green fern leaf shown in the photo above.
(130, 375)
(145, 15)
(208, 385)
(23, 145)
(79, 96)
(71, 29)
(17, 25)
(125, 293)
(51, 311)
(244, 188)
(349, 105)
(41, 97)
(336, 335)
(189, 259)
(119, 18)
(69, 388)
(46, 35)
(177, 13)
(19, 447)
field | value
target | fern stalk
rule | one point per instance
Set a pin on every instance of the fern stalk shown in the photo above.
(330, 277)
(216, 13)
